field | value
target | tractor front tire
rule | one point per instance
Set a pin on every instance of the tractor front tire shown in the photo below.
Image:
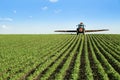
(83, 31)
(77, 33)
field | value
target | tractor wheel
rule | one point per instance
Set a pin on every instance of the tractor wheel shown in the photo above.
(83, 31)
(77, 33)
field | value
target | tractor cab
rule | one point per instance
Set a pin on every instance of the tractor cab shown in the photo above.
(81, 25)
(80, 28)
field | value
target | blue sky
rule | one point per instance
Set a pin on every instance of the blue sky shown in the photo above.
(45, 16)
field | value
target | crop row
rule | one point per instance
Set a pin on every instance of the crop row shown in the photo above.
(60, 57)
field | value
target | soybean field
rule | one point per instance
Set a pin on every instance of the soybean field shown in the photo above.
(60, 57)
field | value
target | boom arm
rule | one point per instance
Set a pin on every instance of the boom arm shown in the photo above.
(85, 30)
(65, 31)
(96, 30)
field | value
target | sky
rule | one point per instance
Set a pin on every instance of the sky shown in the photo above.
(45, 16)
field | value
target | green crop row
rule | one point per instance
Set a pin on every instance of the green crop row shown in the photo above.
(60, 57)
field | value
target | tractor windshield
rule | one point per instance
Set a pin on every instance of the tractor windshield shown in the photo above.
(81, 26)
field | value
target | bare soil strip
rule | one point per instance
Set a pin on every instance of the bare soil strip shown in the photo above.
(115, 66)
(72, 64)
(34, 69)
(52, 76)
(43, 72)
(82, 65)
(92, 65)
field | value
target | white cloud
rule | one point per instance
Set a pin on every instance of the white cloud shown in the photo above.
(53, 1)
(57, 11)
(6, 19)
(44, 8)
(4, 27)
(15, 11)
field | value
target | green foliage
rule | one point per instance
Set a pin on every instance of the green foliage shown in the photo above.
(61, 57)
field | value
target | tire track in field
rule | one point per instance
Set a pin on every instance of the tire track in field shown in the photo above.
(52, 76)
(72, 63)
